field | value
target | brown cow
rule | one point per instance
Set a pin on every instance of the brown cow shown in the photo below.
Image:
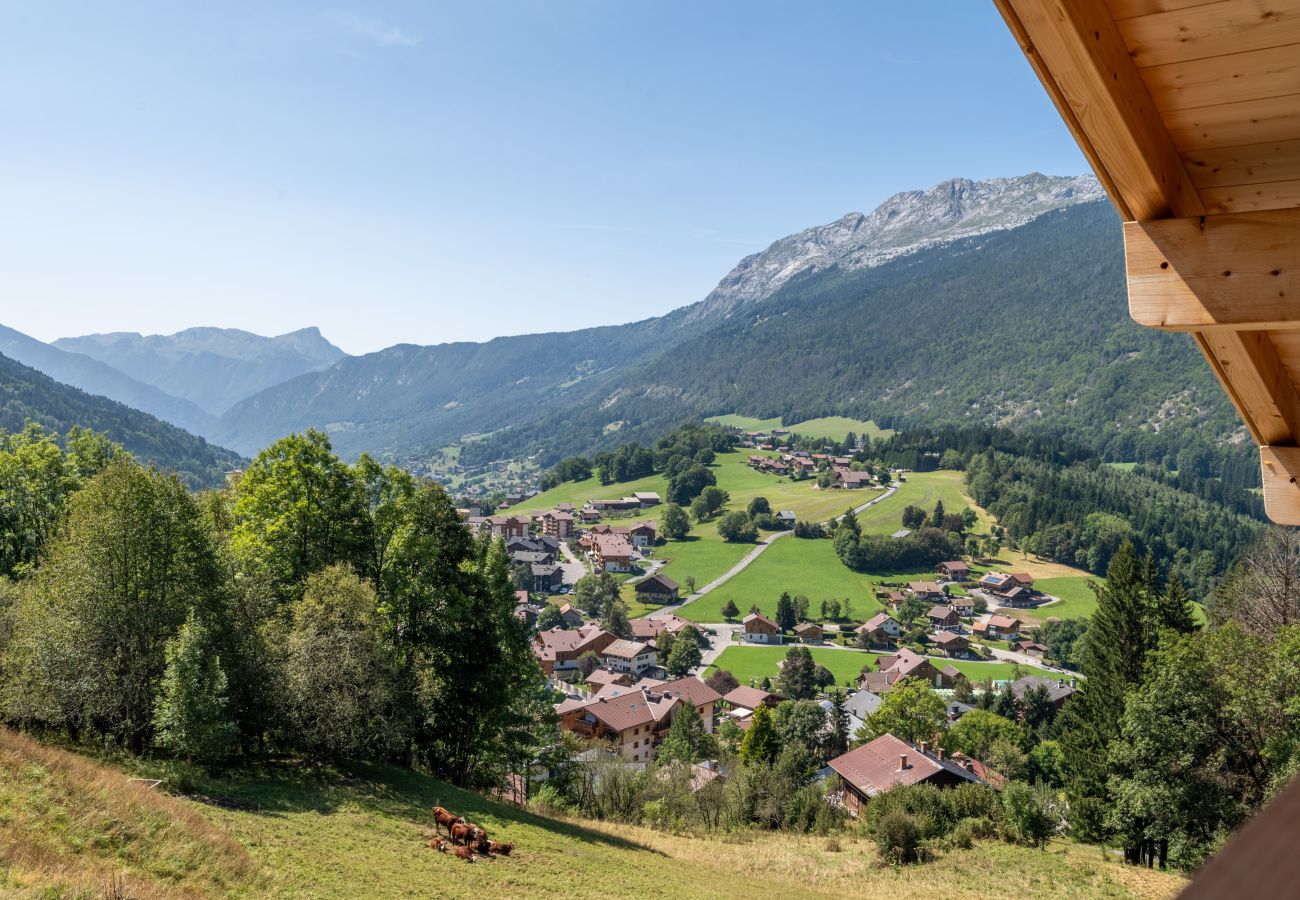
(465, 853)
(438, 844)
(446, 818)
(465, 833)
(500, 849)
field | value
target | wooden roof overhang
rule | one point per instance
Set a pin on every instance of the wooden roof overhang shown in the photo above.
(1189, 112)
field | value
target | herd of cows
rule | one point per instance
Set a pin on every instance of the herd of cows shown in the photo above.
(464, 839)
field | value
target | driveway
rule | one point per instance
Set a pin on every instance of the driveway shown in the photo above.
(573, 567)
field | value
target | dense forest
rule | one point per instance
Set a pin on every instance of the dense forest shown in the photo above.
(27, 396)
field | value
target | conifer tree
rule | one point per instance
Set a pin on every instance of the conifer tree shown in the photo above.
(760, 744)
(191, 713)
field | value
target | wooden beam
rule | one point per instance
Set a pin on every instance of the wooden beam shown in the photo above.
(1278, 472)
(1240, 271)
(1081, 58)
(1248, 366)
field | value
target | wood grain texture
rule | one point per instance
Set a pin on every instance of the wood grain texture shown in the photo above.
(1235, 124)
(1279, 468)
(1258, 74)
(1235, 271)
(1215, 29)
(1252, 164)
(1128, 9)
(1252, 197)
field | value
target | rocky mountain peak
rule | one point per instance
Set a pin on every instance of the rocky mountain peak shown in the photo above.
(906, 222)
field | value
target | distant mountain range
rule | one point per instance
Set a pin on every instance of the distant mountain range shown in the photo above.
(212, 368)
(27, 395)
(980, 302)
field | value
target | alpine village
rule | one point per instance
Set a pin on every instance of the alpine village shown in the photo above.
(945, 550)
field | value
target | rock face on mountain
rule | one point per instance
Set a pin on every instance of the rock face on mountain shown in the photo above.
(903, 224)
(214, 368)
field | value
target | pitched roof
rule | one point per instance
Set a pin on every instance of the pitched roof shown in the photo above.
(747, 697)
(863, 703)
(759, 617)
(940, 612)
(627, 649)
(877, 621)
(622, 711)
(944, 638)
(1002, 623)
(955, 565)
(612, 545)
(663, 582)
(691, 689)
(874, 767)
(805, 627)
(1057, 688)
(925, 587)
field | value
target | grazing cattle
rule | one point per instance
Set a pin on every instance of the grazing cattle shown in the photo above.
(446, 818)
(465, 833)
(500, 849)
(438, 844)
(465, 853)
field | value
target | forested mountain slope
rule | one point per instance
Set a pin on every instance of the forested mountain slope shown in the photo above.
(27, 395)
(1027, 328)
(213, 368)
(96, 377)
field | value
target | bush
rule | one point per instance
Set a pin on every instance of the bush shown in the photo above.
(1087, 820)
(1031, 813)
(974, 801)
(548, 801)
(925, 803)
(899, 835)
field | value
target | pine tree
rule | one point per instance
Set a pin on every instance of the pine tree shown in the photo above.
(760, 744)
(786, 617)
(838, 742)
(687, 740)
(936, 518)
(191, 712)
(850, 521)
(729, 610)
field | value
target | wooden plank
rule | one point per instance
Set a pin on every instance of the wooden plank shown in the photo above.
(1212, 30)
(1280, 474)
(1253, 164)
(1235, 124)
(1273, 72)
(1233, 271)
(1082, 60)
(1128, 9)
(1252, 197)
(1249, 367)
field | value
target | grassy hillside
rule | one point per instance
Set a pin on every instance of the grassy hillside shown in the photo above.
(322, 833)
(753, 663)
(829, 427)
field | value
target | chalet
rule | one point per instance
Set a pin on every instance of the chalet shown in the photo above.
(955, 570)
(808, 632)
(953, 645)
(600, 678)
(887, 761)
(695, 692)
(642, 534)
(926, 590)
(548, 546)
(956, 709)
(571, 615)
(513, 499)
(1030, 648)
(505, 527)
(611, 553)
(620, 504)
(657, 588)
(964, 607)
(786, 518)
(646, 498)
(862, 704)
(1018, 597)
(944, 618)
(1010, 590)
(998, 628)
(547, 577)
(647, 629)
(530, 557)
(558, 524)
(906, 664)
(589, 516)
(894, 598)
(881, 629)
(850, 480)
(630, 720)
(759, 629)
(525, 612)
(558, 649)
(633, 657)
(1058, 689)
(750, 699)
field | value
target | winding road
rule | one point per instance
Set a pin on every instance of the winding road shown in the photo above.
(755, 553)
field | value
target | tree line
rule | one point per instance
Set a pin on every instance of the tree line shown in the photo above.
(309, 606)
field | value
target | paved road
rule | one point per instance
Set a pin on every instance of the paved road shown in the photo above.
(574, 568)
(755, 553)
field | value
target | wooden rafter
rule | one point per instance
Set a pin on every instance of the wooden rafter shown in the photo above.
(1131, 80)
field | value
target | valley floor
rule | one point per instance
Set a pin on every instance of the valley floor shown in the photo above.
(75, 828)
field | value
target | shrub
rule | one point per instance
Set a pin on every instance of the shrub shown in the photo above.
(925, 803)
(548, 800)
(899, 835)
(1031, 813)
(974, 801)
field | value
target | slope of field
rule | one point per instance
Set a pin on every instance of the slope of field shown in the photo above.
(923, 489)
(734, 476)
(827, 427)
(751, 664)
(283, 832)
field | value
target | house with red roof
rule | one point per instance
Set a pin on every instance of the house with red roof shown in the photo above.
(879, 765)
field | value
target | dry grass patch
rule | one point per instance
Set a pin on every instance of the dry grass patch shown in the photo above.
(87, 830)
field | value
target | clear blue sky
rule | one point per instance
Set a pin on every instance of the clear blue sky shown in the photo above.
(429, 172)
